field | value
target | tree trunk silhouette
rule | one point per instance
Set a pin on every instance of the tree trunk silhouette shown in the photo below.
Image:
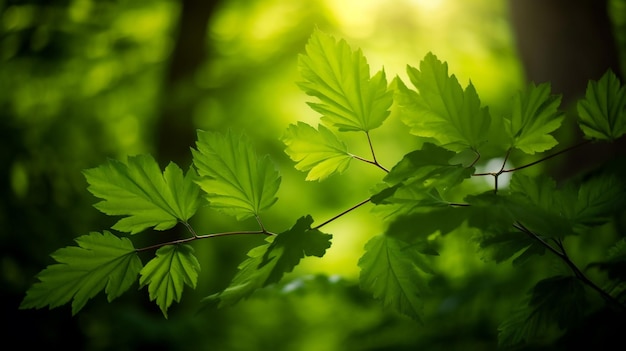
(175, 132)
(567, 43)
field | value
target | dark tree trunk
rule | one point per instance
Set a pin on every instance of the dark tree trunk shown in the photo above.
(567, 43)
(175, 132)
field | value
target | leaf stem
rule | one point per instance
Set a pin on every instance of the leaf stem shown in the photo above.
(562, 254)
(547, 157)
(343, 213)
(205, 236)
(373, 161)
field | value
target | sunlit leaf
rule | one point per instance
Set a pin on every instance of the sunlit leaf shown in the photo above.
(554, 304)
(266, 264)
(317, 151)
(141, 192)
(350, 99)
(394, 272)
(234, 179)
(534, 116)
(440, 109)
(602, 112)
(167, 273)
(100, 261)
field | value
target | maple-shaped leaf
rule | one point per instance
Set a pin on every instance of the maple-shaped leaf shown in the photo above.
(554, 303)
(441, 110)
(350, 99)
(534, 116)
(167, 273)
(100, 261)
(317, 151)
(137, 189)
(234, 179)
(394, 272)
(602, 112)
(266, 264)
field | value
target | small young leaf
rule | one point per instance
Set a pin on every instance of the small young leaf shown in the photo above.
(535, 115)
(166, 274)
(101, 261)
(555, 303)
(602, 113)
(393, 271)
(139, 190)
(442, 111)
(340, 78)
(235, 181)
(266, 264)
(318, 151)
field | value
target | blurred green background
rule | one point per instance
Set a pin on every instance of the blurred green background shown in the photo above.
(86, 80)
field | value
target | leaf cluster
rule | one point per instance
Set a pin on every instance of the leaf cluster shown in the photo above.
(424, 197)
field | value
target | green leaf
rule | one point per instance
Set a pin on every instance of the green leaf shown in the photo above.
(538, 205)
(534, 116)
(166, 274)
(266, 264)
(139, 191)
(497, 238)
(599, 198)
(419, 180)
(615, 262)
(393, 271)
(101, 261)
(555, 304)
(317, 151)
(350, 99)
(234, 179)
(602, 112)
(431, 166)
(442, 111)
(419, 225)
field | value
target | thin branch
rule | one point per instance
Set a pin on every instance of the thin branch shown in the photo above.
(373, 161)
(342, 213)
(369, 141)
(206, 236)
(562, 254)
(190, 229)
(547, 157)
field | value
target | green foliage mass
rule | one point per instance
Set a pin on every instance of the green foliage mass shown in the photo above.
(422, 199)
